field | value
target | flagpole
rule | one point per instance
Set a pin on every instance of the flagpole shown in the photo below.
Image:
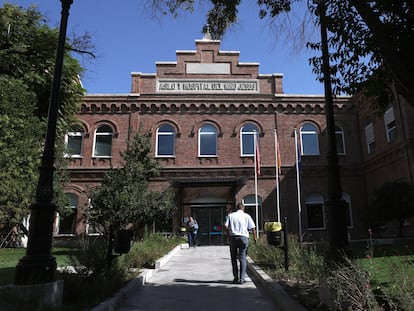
(277, 176)
(298, 186)
(255, 183)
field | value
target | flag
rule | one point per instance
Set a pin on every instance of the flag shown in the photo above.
(278, 158)
(257, 155)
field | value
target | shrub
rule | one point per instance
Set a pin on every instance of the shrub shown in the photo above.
(265, 255)
(90, 260)
(143, 254)
(94, 280)
(350, 288)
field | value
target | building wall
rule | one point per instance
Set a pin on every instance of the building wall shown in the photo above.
(391, 160)
(211, 86)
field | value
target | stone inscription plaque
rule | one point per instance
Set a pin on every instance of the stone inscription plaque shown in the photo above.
(207, 86)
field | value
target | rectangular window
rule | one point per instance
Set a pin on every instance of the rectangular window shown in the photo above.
(67, 219)
(74, 144)
(94, 228)
(165, 144)
(248, 144)
(103, 146)
(67, 222)
(389, 122)
(370, 137)
(207, 141)
(340, 142)
(315, 216)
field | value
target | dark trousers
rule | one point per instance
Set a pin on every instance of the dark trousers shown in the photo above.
(192, 238)
(238, 251)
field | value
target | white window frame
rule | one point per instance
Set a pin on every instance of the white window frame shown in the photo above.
(109, 134)
(74, 209)
(339, 133)
(248, 133)
(172, 133)
(370, 137)
(98, 233)
(303, 134)
(389, 123)
(200, 133)
(67, 137)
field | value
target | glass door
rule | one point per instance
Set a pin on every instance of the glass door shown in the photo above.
(211, 225)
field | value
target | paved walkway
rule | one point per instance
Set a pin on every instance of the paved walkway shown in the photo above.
(197, 279)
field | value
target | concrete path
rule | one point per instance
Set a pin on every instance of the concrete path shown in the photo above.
(197, 279)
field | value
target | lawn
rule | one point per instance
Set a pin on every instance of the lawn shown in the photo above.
(382, 261)
(9, 258)
(382, 269)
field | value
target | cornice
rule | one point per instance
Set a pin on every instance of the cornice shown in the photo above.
(256, 104)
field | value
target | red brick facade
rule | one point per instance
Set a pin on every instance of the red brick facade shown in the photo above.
(209, 86)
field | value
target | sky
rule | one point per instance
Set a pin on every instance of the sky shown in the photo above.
(128, 38)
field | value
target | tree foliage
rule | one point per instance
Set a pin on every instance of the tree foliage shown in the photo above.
(370, 42)
(27, 58)
(393, 201)
(125, 197)
(20, 133)
(27, 53)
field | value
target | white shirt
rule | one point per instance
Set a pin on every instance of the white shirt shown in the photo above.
(239, 223)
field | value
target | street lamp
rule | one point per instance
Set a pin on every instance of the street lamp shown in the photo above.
(337, 224)
(38, 265)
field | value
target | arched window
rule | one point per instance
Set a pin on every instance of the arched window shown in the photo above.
(247, 133)
(207, 141)
(73, 142)
(165, 144)
(67, 218)
(369, 135)
(315, 214)
(103, 141)
(309, 139)
(249, 202)
(339, 138)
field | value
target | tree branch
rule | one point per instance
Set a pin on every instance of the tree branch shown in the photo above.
(82, 52)
(388, 48)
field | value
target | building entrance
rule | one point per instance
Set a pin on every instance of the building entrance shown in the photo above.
(211, 224)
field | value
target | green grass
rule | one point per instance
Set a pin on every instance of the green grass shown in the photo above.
(382, 269)
(9, 257)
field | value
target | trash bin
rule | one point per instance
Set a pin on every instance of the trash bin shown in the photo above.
(123, 240)
(273, 233)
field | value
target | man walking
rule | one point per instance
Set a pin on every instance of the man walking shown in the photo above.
(238, 225)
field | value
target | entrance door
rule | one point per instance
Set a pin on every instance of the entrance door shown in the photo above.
(211, 224)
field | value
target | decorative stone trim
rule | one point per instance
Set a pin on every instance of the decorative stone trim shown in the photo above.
(212, 105)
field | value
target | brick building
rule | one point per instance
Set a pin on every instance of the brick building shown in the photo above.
(203, 111)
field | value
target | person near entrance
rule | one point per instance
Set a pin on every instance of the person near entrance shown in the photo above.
(192, 229)
(238, 225)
